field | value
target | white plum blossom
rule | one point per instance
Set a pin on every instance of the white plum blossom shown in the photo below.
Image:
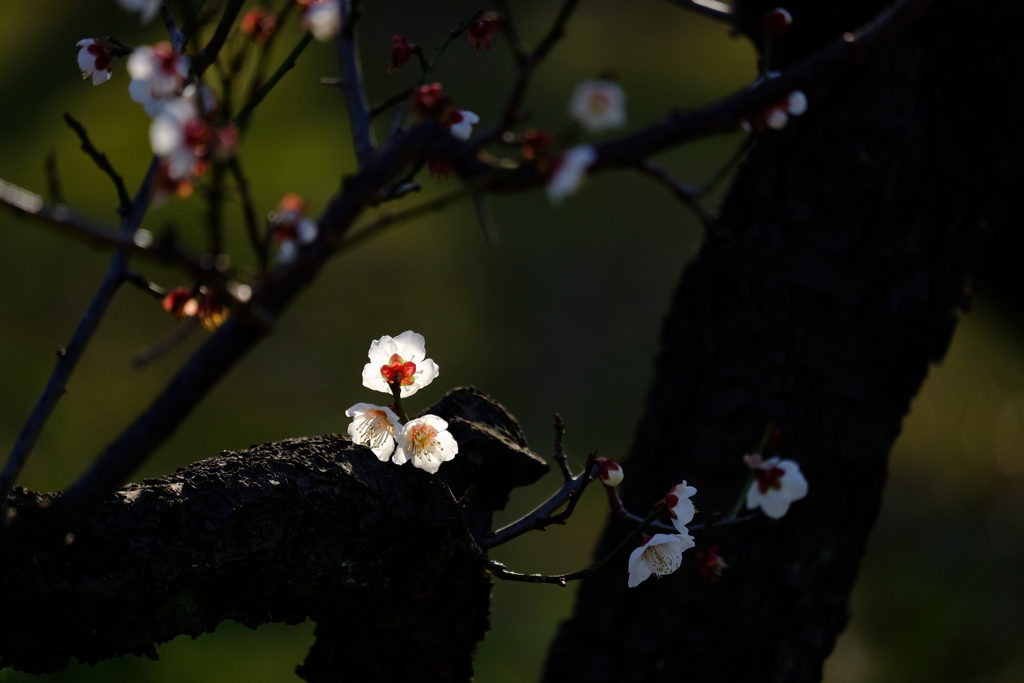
(609, 471)
(180, 137)
(95, 59)
(375, 427)
(427, 442)
(679, 506)
(158, 75)
(598, 105)
(660, 554)
(146, 8)
(401, 360)
(778, 483)
(462, 122)
(322, 18)
(568, 172)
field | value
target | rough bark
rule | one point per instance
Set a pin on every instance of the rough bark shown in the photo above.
(851, 235)
(307, 528)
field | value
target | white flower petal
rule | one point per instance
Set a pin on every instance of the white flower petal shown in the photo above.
(411, 348)
(427, 442)
(797, 103)
(464, 128)
(569, 173)
(375, 427)
(662, 554)
(598, 105)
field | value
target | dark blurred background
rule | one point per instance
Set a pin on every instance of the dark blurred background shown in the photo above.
(561, 316)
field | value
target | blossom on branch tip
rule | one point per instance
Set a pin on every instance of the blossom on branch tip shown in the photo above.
(158, 74)
(95, 59)
(460, 123)
(401, 52)
(777, 22)
(322, 18)
(146, 8)
(181, 138)
(679, 507)
(660, 554)
(481, 31)
(427, 442)
(290, 227)
(568, 171)
(258, 25)
(180, 303)
(374, 427)
(401, 361)
(609, 471)
(778, 483)
(598, 105)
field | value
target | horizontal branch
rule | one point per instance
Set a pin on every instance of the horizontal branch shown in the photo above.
(313, 527)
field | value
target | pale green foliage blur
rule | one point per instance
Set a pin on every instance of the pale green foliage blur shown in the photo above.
(562, 316)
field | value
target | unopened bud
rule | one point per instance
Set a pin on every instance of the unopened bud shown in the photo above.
(777, 22)
(609, 471)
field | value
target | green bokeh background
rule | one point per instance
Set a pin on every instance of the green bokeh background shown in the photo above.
(561, 316)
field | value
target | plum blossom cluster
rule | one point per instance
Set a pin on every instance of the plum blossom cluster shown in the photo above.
(662, 554)
(399, 366)
(207, 306)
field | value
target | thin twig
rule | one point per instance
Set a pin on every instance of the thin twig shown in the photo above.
(101, 160)
(563, 463)
(70, 355)
(252, 229)
(54, 186)
(394, 100)
(684, 192)
(289, 63)
(483, 214)
(209, 53)
(386, 219)
(352, 85)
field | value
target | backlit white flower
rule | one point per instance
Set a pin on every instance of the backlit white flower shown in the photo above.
(401, 360)
(598, 105)
(427, 442)
(95, 59)
(660, 554)
(568, 172)
(181, 138)
(374, 427)
(778, 483)
(146, 8)
(679, 506)
(462, 122)
(158, 75)
(321, 18)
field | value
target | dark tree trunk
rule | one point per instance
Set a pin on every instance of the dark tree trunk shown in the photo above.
(310, 528)
(851, 235)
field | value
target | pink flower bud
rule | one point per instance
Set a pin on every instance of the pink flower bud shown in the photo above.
(777, 22)
(609, 471)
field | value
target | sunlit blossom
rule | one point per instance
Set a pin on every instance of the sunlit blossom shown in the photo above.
(661, 554)
(95, 60)
(598, 105)
(401, 360)
(778, 483)
(568, 171)
(427, 442)
(375, 427)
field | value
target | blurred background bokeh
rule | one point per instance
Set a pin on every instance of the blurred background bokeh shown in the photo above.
(561, 316)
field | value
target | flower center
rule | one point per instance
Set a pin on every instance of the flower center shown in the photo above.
(770, 479)
(599, 103)
(398, 371)
(659, 560)
(423, 438)
(375, 428)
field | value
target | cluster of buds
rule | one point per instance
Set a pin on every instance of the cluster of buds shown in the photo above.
(290, 228)
(398, 366)
(205, 305)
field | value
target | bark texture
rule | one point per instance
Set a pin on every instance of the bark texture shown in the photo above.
(849, 239)
(307, 528)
